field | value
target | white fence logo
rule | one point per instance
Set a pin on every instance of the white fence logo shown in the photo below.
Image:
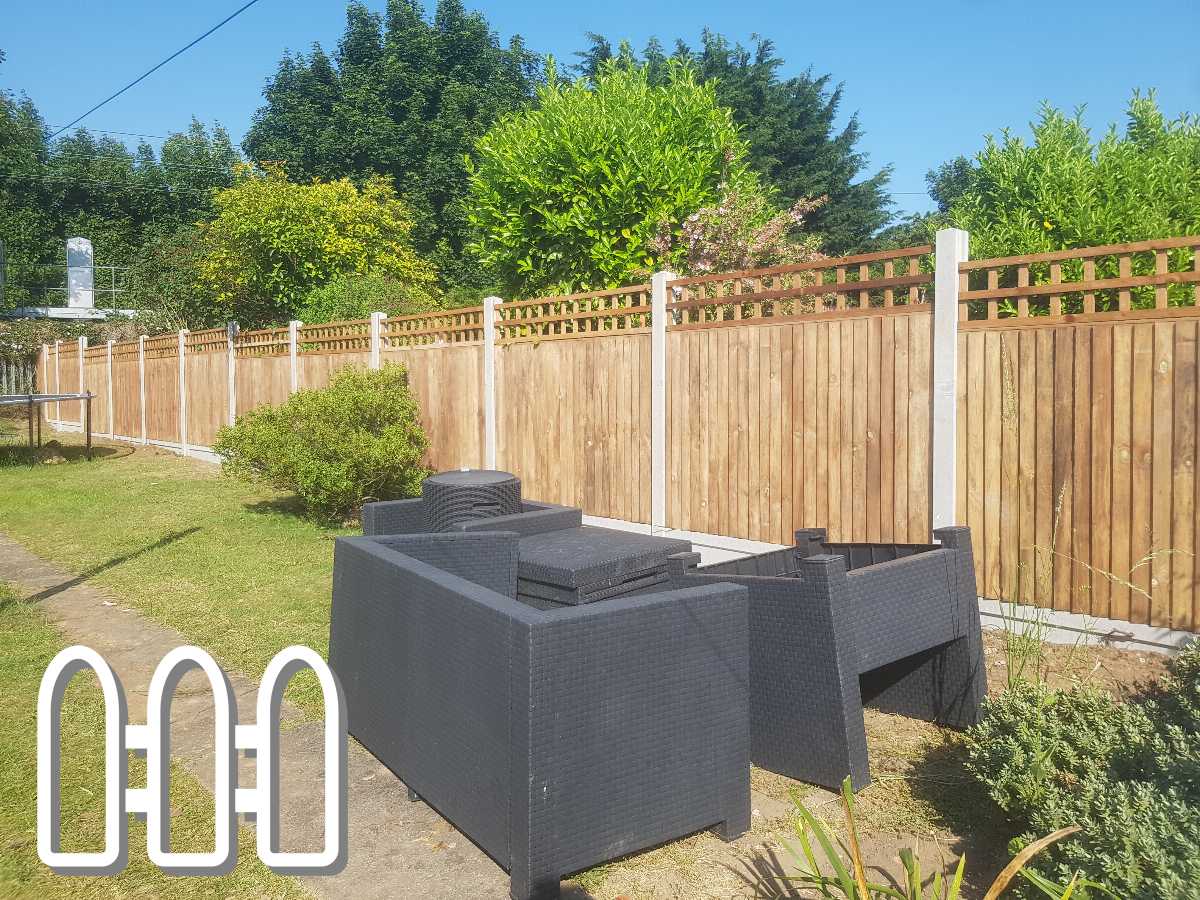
(262, 737)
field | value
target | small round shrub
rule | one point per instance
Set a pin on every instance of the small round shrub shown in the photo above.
(357, 440)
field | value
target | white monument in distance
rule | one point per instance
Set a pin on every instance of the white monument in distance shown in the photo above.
(81, 286)
(81, 289)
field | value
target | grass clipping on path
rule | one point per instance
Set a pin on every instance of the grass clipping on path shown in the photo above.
(228, 565)
(27, 644)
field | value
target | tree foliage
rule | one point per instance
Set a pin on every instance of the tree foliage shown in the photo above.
(272, 241)
(94, 186)
(573, 194)
(790, 124)
(1063, 190)
(401, 96)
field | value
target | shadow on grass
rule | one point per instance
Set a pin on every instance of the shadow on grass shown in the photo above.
(293, 508)
(940, 778)
(164, 541)
(53, 453)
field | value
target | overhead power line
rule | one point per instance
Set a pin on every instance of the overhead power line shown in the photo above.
(155, 68)
(161, 137)
(171, 165)
(98, 182)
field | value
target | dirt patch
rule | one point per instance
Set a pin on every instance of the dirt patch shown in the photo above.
(920, 797)
(1121, 673)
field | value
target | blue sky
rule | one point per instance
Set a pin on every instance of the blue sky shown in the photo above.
(928, 80)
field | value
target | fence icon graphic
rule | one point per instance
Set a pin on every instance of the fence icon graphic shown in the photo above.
(154, 738)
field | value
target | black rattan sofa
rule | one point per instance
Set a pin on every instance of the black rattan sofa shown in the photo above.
(554, 738)
(834, 626)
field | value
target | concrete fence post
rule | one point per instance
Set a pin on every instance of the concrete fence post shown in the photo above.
(376, 337)
(112, 426)
(659, 289)
(183, 434)
(80, 349)
(293, 334)
(231, 330)
(490, 314)
(57, 385)
(142, 384)
(952, 248)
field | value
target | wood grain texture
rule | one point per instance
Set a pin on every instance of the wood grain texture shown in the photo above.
(773, 427)
(1077, 458)
(573, 420)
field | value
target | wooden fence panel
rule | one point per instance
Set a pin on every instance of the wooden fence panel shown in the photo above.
(1080, 459)
(573, 421)
(162, 392)
(68, 412)
(261, 380)
(95, 379)
(805, 423)
(207, 395)
(447, 384)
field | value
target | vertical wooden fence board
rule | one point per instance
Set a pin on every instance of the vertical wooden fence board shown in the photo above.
(1081, 488)
(1183, 487)
(919, 425)
(1140, 503)
(1120, 597)
(1027, 455)
(900, 453)
(1102, 474)
(1161, 472)
(1010, 491)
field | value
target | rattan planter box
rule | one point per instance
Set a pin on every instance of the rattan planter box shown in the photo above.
(834, 626)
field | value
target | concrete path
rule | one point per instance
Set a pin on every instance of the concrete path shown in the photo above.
(397, 849)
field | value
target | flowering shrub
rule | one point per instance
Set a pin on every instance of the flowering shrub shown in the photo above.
(743, 232)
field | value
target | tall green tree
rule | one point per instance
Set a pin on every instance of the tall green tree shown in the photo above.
(26, 198)
(273, 241)
(790, 124)
(591, 186)
(403, 96)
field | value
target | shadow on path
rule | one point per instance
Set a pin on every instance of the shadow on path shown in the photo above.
(164, 541)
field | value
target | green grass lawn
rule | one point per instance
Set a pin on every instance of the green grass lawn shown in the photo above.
(27, 644)
(228, 565)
